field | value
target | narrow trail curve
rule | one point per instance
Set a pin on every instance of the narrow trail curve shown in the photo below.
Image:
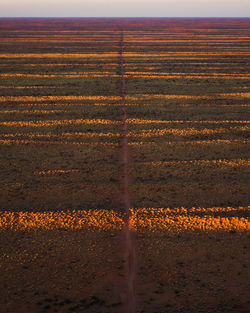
(129, 234)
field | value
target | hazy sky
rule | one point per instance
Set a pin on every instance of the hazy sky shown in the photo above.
(123, 8)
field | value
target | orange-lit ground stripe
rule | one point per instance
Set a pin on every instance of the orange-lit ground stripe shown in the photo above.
(184, 97)
(189, 142)
(128, 38)
(130, 64)
(149, 97)
(173, 221)
(59, 122)
(210, 49)
(31, 87)
(181, 220)
(67, 135)
(54, 172)
(236, 94)
(215, 163)
(212, 76)
(181, 73)
(70, 40)
(187, 53)
(186, 132)
(58, 98)
(106, 55)
(58, 75)
(107, 64)
(41, 123)
(143, 121)
(8, 142)
(192, 41)
(235, 105)
(57, 55)
(93, 220)
(31, 112)
(183, 58)
(62, 104)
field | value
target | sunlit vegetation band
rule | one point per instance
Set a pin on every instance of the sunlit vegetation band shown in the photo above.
(173, 221)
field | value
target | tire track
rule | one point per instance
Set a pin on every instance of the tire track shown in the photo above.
(129, 235)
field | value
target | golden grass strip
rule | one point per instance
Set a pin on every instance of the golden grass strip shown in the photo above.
(186, 132)
(170, 40)
(191, 142)
(235, 105)
(173, 58)
(57, 98)
(89, 220)
(63, 135)
(57, 55)
(62, 104)
(213, 76)
(57, 75)
(180, 53)
(31, 87)
(214, 163)
(155, 64)
(182, 73)
(236, 95)
(67, 105)
(137, 97)
(107, 64)
(173, 221)
(177, 30)
(59, 122)
(144, 121)
(180, 220)
(31, 112)
(55, 64)
(51, 40)
(92, 134)
(163, 96)
(8, 142)
(55, 172)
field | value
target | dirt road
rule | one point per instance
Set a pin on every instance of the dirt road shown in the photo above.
(130, 256)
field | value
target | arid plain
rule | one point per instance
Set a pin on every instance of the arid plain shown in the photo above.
(75, 94)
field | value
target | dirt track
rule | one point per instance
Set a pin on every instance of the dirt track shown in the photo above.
(130, 256)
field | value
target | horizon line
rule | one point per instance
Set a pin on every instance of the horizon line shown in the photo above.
(54, 17)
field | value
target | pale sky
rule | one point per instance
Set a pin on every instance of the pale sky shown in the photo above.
(124, 8)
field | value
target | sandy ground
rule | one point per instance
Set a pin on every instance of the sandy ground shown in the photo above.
(193, 272)
(80, 271)
(61, 271)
